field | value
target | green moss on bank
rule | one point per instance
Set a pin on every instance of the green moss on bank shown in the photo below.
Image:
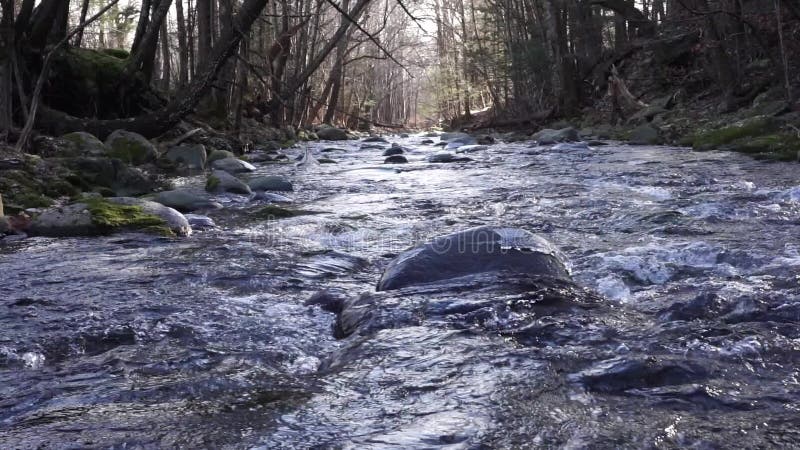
(719, 137)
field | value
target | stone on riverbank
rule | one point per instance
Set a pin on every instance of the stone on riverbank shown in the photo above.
(645, 134)
(86, 144)
(219, 154)
(332, 134)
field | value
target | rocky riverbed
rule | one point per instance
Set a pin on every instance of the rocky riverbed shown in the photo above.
(617, 296)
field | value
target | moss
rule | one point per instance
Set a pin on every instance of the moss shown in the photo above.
(710, 139)
(111, 216)
(116, 53)
(272, 212)
(780, 146)
(21, 190)
(212, 183)
(129, 150)
(289, 143)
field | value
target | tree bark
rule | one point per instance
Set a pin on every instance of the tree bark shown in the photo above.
(183, 46)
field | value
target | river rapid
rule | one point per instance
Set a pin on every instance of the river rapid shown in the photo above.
(681, 330)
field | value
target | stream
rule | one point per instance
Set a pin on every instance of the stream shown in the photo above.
(681, 331)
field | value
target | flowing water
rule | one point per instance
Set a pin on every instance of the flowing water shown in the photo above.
(682, 331)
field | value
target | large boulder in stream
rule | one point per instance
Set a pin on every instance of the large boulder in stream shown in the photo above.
(473, 251)
(98, 216)
(186, 200)
(190, 156)
(221, 181)
(233, 165)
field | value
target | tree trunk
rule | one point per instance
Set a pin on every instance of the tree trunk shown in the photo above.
(337, 73)
(154, 124)
(203, 18)
(165, 57)
(183, 46)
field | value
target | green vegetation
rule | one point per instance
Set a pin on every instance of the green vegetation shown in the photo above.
(212, 183)
(111, 216)
(716, 138)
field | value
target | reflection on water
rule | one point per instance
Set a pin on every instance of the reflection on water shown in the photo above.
(686, 338)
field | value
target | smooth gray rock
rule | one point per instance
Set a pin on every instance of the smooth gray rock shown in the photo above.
(221, 181)
(452, 135)
(132, 148)
(332, 134)
(271, 183)
(113, 174)
(548, 136)
(191, 156)
(476, 250)
(393, 151)
(186, 200)
(69, 220)
(233, 165)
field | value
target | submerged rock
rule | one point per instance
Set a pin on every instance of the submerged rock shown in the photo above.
(571, 146)
(186, 200)
(473, 251)
(271, 183)
(394, 150)
(272, 197)
(375, 139)
(131, 147)
(471, 148)
(221, 181)
(233, 165)
(199, 222)
(447, 158)
(395, 159)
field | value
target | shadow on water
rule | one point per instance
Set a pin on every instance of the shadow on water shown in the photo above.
(680, 332)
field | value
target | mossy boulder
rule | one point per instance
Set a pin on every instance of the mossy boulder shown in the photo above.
(219, 154)
(97, 216)
(718, 137)
(130, 147)
(111, 173)
(85, 144)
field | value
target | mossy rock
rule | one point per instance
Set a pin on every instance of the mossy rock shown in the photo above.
(717, 138)
(116, 53)
(94, 216)
(132, 148)
(86, 144)
(219, 154)
(778, 146)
